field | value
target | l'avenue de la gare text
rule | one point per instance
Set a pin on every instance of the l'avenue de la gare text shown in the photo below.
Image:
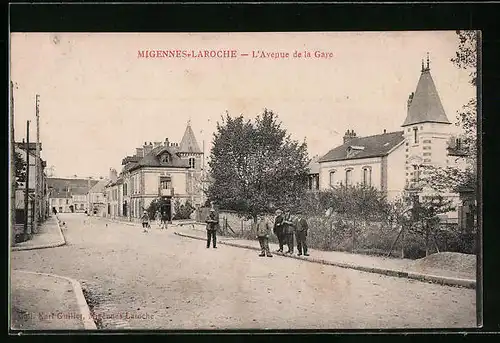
(231, 54)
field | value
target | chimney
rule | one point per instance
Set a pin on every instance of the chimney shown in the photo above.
(113, 176)
(410, 99)
(349, 135)
(167, 143)
(139, 152)
(147, 149)
(385, 131)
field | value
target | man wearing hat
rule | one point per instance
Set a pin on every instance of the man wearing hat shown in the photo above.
(212, 225)
(301, 229)
(145, 221)
(288, 230)
(278, 229)
(263, 232)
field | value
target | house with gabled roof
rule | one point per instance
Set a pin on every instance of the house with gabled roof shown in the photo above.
(392, 161)
(96, 202)
(166, 170)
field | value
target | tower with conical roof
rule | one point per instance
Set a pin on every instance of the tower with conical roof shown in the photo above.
(190, 150)
(426, 127)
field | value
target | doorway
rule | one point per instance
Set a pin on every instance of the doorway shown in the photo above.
(166, 207)
(72, 208)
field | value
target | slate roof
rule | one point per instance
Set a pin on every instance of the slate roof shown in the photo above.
(76, 186)
(313, 166)
(99, 186)
(152, 159)
(374, 146)
(426, 105)
(58, 194)
(188, 142)
(32, 146)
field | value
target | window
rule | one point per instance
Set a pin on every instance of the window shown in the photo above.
(427, 141)
(82, 206)
(415, 135)
(191, 162)
(416, 173)
(165, 158)
(367, 176)
(348, 177)
(427, 160)
(67, 201)
(426, 148)
(124, 189)
(427, 153)
(332, 178)
(165, 182)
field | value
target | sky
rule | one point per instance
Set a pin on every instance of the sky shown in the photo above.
(99, 100)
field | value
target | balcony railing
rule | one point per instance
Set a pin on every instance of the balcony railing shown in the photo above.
(166, 192)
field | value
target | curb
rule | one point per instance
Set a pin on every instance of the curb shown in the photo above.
(447, 281)
(45, 246)
(88, 322)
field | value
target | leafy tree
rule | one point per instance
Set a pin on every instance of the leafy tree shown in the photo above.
(182, 211)
(155, 206)
(256, 166)
(20, 166)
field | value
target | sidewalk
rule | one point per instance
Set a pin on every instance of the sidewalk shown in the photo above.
(47, 302)
(373, 264)
(49, 236)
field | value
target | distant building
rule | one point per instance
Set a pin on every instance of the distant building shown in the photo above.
(157, 170)
(69, 195)
(392, 161)
(96, 200)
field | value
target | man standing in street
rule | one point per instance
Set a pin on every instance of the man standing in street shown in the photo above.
(263, 232)
(288, 228)
(212, 224)
(145, 221)
(278, 229)
(301, 229)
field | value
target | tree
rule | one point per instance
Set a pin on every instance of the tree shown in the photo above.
(256, 167)
(20, 168)
(182, 211)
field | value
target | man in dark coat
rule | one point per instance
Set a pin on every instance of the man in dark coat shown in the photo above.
(212, 225)
(288, 229)
(301, 228)
(278, 229)
(263, 232)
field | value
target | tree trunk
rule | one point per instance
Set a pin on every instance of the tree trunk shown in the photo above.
(353, 234)
(402, 241)
(426, 240)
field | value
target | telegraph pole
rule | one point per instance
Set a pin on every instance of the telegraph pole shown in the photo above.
(27, 183)
(36, 208)
(12, 162)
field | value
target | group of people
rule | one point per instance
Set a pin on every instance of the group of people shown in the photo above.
(161, 220)
(285, 228)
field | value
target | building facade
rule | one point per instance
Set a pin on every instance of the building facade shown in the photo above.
(159, 170)
(393, 161)
(69, 195)
(41, 205)
(96, 200)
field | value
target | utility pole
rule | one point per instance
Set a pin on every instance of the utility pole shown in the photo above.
(36, 208)
(27, 183)
(12, 162)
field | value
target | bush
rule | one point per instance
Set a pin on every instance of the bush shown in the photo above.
(182, 211)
